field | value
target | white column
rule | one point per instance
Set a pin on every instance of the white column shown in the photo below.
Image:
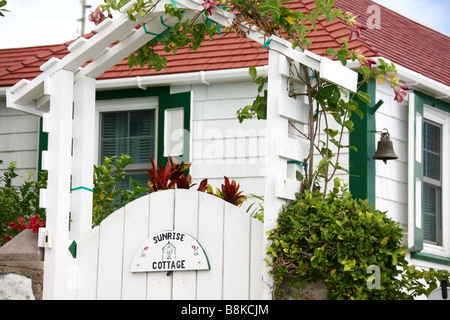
(83, 156)
(58, 261)
(275, 166)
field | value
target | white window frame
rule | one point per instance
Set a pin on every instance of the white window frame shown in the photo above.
(442, 118)
(118, 105)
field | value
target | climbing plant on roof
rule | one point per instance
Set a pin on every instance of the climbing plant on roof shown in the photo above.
(327, 102)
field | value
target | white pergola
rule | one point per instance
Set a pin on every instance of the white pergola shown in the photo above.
(65, 86)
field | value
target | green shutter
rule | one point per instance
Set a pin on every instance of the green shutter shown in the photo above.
(416, 120)
(167, 103)
(43, 145)
(129, 132)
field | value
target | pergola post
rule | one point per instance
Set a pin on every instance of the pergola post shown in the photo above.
(275, 166)
(83, 157)
(58, 262)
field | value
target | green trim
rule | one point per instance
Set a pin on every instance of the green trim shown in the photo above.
(362, 166)
(439, 104)
(42, 145)
(131, 93)
(172, 101)
(73, 249)
(82, 188)
(430, 257)
(420, 100)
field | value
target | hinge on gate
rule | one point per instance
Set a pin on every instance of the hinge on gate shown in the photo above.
(45, 238)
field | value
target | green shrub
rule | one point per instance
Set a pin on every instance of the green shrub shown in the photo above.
(107, 197)
(336, 238)
(18, 201)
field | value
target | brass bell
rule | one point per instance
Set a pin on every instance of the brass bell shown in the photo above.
(385, 150)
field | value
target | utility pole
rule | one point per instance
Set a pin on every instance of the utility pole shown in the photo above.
(84, 6)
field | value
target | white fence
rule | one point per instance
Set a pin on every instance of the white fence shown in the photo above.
(231, 239)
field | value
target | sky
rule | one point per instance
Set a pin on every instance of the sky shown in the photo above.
(42, 22)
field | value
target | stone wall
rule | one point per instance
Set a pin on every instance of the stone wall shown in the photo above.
(21, 268)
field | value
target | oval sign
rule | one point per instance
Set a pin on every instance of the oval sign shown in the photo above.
(170, 250)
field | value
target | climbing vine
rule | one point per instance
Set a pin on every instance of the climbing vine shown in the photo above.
(323, 234)
(330, 106)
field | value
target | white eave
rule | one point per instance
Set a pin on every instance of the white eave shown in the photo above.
(416, 81)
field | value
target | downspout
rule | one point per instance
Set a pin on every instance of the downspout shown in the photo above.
(202, 78)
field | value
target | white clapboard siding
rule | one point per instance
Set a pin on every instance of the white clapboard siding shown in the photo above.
(232, 240)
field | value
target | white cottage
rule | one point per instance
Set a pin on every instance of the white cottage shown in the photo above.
(202, 90)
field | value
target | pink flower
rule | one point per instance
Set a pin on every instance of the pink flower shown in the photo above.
(404, 87)
(400, 94)
(368, 62)
(355, 30)
(209, 5)
(97, 16)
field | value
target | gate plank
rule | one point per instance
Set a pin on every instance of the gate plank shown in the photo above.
(159, 285)
(134, 285)
(256, 259)
(87, 256)
(236, 257)
(186, 217)
(110, 256)
(210, 236)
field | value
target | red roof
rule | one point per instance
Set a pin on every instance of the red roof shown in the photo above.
(399, 39)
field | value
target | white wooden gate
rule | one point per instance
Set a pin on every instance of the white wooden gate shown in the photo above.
(232, 240)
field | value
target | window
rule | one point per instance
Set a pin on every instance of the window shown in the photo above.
(128, 127)
(143, 128)
(429, 179)
(432, 187)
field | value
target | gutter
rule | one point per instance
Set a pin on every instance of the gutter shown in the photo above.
(3, 91)
(201, 77)
(415, 80)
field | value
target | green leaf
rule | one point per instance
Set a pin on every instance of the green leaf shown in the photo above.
(327, 91)
(349, 125)
(332, 133)
(342, 60)
(331, 52)
(299, 175)
(363, 96)
(252, 72)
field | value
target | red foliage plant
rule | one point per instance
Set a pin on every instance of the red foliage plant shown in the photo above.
(172, 175)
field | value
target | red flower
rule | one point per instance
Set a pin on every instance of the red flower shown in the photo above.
(355, 30)
(209, 5)
(368, 62)
(97, 16)
(35, 224)
(400, 94)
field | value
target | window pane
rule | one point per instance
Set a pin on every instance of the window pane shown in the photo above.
(430, 213)
(129, 132)
(432, 151)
